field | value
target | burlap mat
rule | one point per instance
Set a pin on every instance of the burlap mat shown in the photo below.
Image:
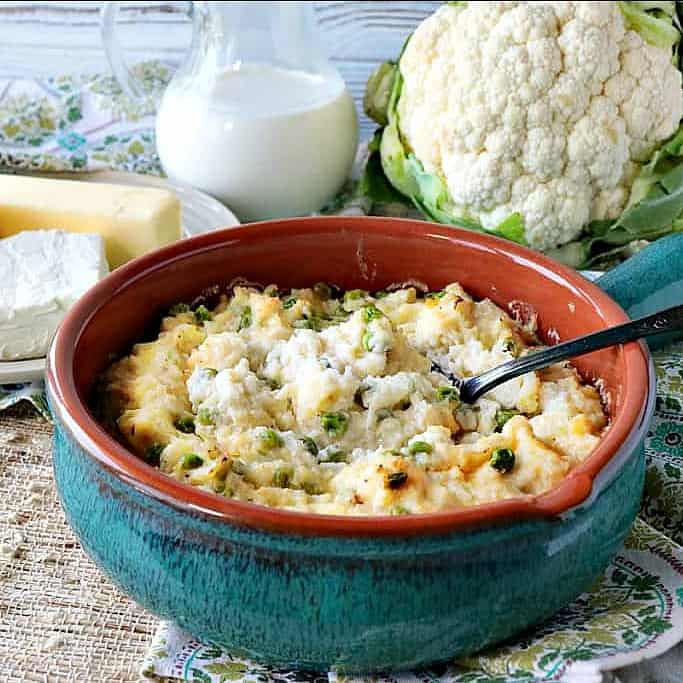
(60, 620)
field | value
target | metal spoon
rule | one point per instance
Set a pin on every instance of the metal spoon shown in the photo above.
(668, 320)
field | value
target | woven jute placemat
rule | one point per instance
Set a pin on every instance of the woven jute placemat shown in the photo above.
(60, 618)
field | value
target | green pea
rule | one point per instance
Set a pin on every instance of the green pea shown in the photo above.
(152, 456)
(270, 439)
(245, 319)
(191, 461)
(510, 346)
(447, 394)
(178, 308)
(335, 424)
(202, 314)
(400, 510)
(205, 416)
(289, 302)
(354, 294)
(502, 416)
(333, 455)
(314, 321)
(322, 320)
(184, 425)
(306, 323)
(340, 314)
(311, 488)
(419, 447)
(396, 479)
(502, 459)
(282, 477)
(371, 313)
(310, 445)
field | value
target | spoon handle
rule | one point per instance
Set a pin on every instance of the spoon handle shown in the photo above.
(668, 320)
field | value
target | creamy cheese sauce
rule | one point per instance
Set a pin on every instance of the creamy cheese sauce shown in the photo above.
(317, 401)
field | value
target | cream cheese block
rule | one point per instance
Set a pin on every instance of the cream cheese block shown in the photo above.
(132, 220)
(43, 272)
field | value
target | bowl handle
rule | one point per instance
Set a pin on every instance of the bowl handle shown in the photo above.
(649, 281)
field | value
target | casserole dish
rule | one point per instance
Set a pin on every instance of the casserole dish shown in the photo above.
(353, 593)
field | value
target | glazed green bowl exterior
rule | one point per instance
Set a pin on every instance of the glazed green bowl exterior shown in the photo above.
(357, 604)
(312, 592)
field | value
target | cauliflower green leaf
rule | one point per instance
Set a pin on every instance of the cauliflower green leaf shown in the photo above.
(654, 210)
(656, 22)
(373, 183)
(378, 92)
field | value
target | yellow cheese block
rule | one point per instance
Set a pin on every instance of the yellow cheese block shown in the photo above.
(132, 220)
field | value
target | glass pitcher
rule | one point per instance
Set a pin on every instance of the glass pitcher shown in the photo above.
(256, 116)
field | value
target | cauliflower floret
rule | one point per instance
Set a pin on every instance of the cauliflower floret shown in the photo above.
(568, 99)
(545, 108)
(555, 211)
(609, 203)
(543, 151)
(312, 384)
(591, 52)
(650, 108)
(599, 144)
(481, 180)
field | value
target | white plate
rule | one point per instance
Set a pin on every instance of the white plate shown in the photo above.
(201, 213)
(16, 372)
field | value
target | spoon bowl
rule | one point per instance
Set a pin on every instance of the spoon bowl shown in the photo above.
(471, 388)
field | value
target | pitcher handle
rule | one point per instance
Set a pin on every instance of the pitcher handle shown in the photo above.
(112, 47)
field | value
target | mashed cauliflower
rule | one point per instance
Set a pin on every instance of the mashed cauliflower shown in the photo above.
(317, 401)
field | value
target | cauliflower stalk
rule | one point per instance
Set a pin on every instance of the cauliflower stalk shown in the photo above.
(554, 124)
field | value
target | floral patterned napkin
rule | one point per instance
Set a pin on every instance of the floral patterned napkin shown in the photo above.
(80, 123)
(34, 392)
(635, 611)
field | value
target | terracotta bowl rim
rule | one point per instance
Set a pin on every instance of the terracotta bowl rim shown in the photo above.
(73, 414)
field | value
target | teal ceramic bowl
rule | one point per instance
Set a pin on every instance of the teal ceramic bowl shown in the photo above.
(355, 594)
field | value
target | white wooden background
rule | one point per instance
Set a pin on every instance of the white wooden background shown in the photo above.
(46, 38)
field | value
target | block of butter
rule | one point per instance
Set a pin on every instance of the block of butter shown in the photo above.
(132, 220)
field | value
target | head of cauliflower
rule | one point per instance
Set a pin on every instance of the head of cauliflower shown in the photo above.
(542, 110)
